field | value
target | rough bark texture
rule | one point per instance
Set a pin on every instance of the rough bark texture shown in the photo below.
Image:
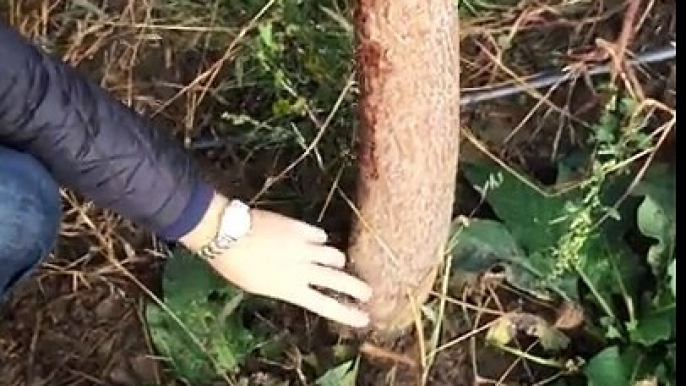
(408, 67)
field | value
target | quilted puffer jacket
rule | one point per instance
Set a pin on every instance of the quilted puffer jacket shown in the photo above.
(94, 144)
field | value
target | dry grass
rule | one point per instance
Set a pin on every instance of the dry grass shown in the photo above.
(76, 321)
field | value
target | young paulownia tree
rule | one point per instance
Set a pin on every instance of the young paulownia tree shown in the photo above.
(408, 70)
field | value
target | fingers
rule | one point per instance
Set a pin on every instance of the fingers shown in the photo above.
(276, 224)
(312, 233)
(332, 309)
(309, 232)
(329, 256)
(340, 281)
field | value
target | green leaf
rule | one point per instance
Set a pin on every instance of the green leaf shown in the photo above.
(182, 355)
(652, 329)
(656, 216)
(483, 239)
(625, 365)
(187, 278)
(608, 368)
(653, 221)
(615, 366)
(532, 217)
(344, 374)
(535, 219)
(482, 245)
(266, 35)
(200, 329)
(657, 319)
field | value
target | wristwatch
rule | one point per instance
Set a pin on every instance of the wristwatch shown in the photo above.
(235, 222)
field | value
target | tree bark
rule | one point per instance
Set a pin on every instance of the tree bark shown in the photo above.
(407, 55)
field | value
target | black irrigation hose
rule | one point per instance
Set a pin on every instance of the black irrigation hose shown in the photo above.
(474, 96)
(550, 78)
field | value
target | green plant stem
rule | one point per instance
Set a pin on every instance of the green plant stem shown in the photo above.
(230, 307)
(639, 362)
(606, 307)
(625, 295)
(665, 308)
(541, 361)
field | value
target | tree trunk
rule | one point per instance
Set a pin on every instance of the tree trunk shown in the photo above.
(408, 70)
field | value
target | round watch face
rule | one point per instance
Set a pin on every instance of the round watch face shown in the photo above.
(243, 225)
(235, 222)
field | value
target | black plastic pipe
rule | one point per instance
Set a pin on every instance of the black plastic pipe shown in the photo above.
(474, 96)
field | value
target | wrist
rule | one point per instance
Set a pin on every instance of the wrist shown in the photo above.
(206, 229)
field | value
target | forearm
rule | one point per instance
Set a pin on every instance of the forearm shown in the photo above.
(94, 144)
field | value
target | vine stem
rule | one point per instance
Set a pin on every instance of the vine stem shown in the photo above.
(533, 358)
(603, 303)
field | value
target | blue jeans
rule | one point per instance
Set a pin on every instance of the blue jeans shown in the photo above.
(30, 216)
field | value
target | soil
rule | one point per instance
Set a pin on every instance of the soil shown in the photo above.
(76, 321)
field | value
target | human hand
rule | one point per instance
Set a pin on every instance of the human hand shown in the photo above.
(283, 258)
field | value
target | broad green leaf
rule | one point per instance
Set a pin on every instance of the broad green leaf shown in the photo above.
(176, 347)
(653, 221)
(344, 374)
(532, 217)
(483, 244)
(656, 217)
(615, 366)
(188, 279)
(636, 362)
(200, 332)
(652, 329)
(608, 368)
(657, 319)
(486, 239)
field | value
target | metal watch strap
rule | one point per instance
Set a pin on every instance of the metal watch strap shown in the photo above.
(223, 240)
(213, 249)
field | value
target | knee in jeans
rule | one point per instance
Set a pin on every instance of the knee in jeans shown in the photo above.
(30, 215)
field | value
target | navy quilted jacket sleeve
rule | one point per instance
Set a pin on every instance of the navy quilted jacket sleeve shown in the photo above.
(94, 144)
